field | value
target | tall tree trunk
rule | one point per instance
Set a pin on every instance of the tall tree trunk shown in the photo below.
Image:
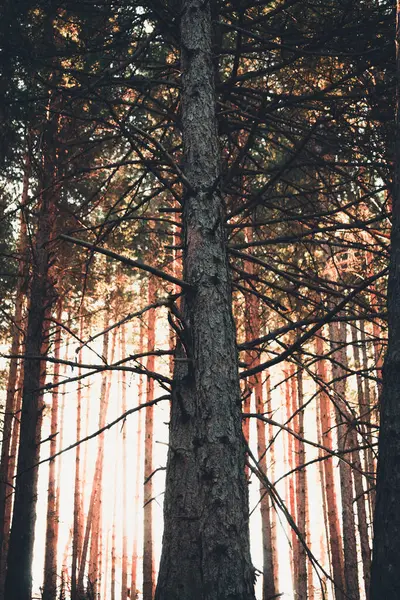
(10, 408)
(273, 519)
(148, 558)
(124, 574)
(368, 404)
(290, 463)
(254, 384)
(18, 583)
(301, 492)
(335, 540)
(343, 418)
(205, 552)
(385, 580)
(76, 529)
(97, 491)
(50, 559)
(137, 508)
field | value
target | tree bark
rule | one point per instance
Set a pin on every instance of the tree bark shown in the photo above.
(11, 397)
(385, 580)
(50, 559)
(18, 583)
(343, 418)
(205, 554)
(301, 492)
(335, 540)
(148, 558)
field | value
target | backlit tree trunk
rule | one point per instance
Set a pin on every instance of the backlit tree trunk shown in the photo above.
(50, 559)
(343, 418)
(205, 552)
(335, 540)
(148, 559)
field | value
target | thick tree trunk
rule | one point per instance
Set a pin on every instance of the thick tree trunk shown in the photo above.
(148, 558)
(205, 553)
(50, 559)
(18, 583)
(11, 397)
(385, 580)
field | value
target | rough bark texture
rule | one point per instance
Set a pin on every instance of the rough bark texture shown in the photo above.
(205, 553)
(385, 580)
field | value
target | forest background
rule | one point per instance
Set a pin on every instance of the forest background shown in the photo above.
(93, 184)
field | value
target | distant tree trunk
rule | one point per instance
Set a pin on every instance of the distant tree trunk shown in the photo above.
(11, 396)
(148, 559)
(138, 482)
(205, 550)
(18, 583)
(301, 492)
(290, 464)
(50, 559)
(269, 590)
(254, 384)
(114, 539)
(124, 574)
(76, 530)
(337, 333)
(357, 472)
(335, 540)
(274, 540)
(97, 490)
(385, 580)
(368, 404)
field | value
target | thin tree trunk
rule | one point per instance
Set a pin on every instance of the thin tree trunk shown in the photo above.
(290, 463)
(335, 540)
(50, 559)
(148, 559)
(124, 574)
(368, 418)
(254, 384)
(205, 550)
(136, 499)
(343, 418)
(301, 493)
(274, 538)
(76, 530)
(357, 475)
(97, 491)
